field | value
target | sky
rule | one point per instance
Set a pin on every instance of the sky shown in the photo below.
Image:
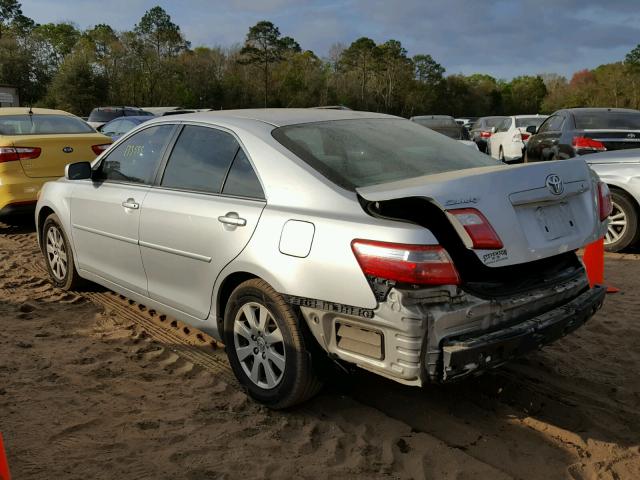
(501, 38)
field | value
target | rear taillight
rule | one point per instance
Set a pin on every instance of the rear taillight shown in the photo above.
(485, 134)
(605, 206)
(98, 149)
(478, 228)
(418, 264)
(586, 143)
(12, 154)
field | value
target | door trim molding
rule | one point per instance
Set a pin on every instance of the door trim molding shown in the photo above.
(106, 234)
(175, 251)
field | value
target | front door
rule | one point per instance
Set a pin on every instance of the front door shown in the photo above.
(105, 211)
(198, 219)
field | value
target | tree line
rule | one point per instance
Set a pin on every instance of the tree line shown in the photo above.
(58, 65)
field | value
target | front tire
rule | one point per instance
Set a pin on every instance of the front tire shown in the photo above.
(266, 347)
(623, 223)
(59, 255)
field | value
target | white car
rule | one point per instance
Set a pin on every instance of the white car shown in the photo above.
(510, 137)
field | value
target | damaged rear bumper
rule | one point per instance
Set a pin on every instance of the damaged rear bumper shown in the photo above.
(462, 357)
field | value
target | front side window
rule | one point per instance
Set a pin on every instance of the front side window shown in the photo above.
(38, 124)
(200, 159)
(137, 158)
(362, 152)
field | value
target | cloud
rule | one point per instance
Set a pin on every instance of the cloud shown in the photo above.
(499, 37)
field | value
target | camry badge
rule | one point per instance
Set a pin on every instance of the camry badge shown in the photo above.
(67, 149)
(554, 184)
(631, 135)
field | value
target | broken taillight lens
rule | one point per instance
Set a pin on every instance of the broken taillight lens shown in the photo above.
(478, 228)
(605, 206)
(418, 264)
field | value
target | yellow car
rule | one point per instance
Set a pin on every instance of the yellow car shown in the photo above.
(35, 146)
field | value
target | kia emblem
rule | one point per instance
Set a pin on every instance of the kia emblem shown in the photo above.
(554, 184)
(67, 149)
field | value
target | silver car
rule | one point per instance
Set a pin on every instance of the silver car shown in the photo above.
(620, 169)
(299, 237)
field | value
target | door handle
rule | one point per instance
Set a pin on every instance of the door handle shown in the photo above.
(232, 218)
(131, 203)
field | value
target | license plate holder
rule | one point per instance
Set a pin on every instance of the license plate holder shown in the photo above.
(556, 221)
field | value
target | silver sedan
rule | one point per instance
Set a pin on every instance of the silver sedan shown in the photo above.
(620, 169)
(307, 237)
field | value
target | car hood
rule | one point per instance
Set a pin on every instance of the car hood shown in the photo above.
(531, 221)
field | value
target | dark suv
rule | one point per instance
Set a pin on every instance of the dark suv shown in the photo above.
(101, 115)
(578, 131)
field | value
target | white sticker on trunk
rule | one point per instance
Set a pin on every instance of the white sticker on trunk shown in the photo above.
(495, 257)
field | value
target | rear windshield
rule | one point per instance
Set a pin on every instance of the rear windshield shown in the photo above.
(493, 121)
(105, 115)
(607, 120)
(359, 153)
(529, 121)
(41, 124)
(435, 122)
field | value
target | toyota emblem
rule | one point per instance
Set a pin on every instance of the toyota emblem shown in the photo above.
(631, 135)
(67, 149)
(554, 184)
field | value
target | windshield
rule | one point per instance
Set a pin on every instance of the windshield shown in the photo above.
(359, 153)
(41, 124)
(607, 120)
(528, 121)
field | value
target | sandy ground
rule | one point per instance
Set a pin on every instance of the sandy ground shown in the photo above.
(94, 387)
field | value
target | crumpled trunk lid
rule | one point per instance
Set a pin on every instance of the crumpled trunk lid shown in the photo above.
(538, 210)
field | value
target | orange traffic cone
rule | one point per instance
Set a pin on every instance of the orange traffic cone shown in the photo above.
(4, 465)
(593, 259)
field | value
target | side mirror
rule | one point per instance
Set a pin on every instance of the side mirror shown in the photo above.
(77, 171)
(532, 129)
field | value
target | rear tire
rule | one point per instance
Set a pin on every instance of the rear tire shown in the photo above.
(266, 347)
(58, 255)
(623, 223)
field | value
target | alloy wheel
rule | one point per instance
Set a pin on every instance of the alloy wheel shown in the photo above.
(56, 253)
(259, 345)
(617, 225)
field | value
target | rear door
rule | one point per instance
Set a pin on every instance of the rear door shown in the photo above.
(543, 144)
(199, 217)
(105, 212)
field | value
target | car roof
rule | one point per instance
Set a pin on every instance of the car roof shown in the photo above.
(599, 110)
(35, 111)
(133, 117)
(433, 116)
(278, 117)
(533, 115)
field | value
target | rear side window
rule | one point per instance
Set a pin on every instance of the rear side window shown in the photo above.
(41, 124)
(362, 152)
(136, 159)
(242, 180)
(200, 159)
(605, 120)
(529, 121)
(552, 124)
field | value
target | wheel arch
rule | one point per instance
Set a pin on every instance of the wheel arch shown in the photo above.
(227, 286)
(43, 213)
(623, 191)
